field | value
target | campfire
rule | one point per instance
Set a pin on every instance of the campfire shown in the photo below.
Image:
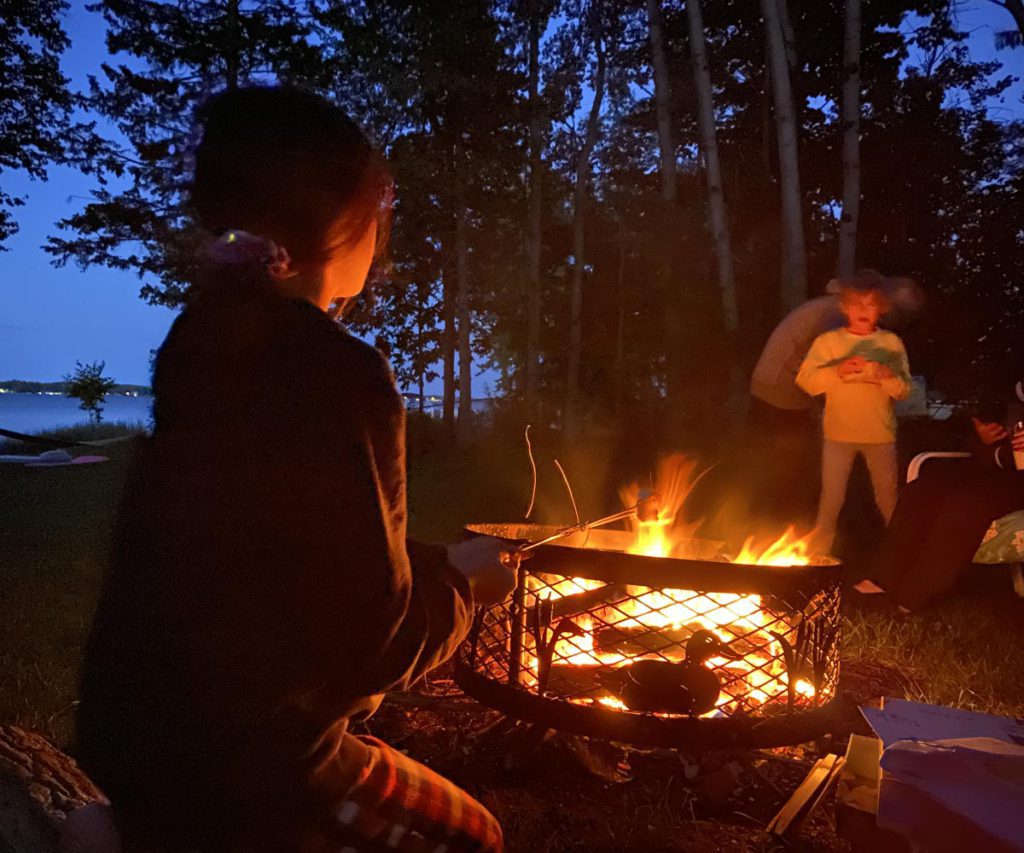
(650, 634)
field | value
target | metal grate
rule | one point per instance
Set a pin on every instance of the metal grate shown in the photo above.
(565, 638)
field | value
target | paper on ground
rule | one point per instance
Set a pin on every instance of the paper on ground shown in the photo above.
(950, 776)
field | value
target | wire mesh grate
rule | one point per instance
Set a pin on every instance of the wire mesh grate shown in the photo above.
(569, 638)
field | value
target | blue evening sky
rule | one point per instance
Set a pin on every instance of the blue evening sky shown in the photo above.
(50, 317)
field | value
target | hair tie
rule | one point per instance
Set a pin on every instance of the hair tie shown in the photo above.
(235, 248)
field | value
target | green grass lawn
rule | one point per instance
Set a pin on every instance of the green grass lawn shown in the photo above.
(56, 530)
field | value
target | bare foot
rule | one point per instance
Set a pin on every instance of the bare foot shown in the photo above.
(868, 587)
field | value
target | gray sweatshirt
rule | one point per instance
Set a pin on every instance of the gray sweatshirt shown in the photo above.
(774, 377)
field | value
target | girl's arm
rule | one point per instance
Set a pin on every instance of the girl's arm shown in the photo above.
(819, 373)
(378, 612)
(897, 384)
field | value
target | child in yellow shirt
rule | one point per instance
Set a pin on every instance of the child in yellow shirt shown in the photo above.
(861, 370)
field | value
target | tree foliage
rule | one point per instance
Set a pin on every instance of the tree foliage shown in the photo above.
(173, 55)
(36, 104)
(445, 89)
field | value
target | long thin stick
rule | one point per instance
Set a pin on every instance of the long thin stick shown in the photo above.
(533, 472)
(565, 479)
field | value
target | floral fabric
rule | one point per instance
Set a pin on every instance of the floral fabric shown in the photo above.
(1003, 542)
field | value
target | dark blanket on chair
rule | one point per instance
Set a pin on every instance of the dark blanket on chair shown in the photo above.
(939, 522)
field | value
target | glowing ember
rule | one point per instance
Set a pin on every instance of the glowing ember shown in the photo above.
(614, 634)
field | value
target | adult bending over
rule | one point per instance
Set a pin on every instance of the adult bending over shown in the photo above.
(263, 595)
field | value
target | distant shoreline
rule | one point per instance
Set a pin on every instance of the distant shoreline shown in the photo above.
(21, 386)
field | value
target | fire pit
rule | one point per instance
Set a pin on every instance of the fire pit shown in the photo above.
(690, 650)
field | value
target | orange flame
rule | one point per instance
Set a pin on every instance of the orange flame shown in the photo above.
(788, 550)
(676, 476)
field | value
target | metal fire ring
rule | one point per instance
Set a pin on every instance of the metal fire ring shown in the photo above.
(488, 666)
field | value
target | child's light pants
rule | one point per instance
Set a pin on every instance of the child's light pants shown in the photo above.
(836, 463)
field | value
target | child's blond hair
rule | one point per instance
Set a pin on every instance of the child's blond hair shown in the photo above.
(861, 283)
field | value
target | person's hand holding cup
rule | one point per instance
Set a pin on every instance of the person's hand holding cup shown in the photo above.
(490, 565)
(1017, 443)
(990, 432)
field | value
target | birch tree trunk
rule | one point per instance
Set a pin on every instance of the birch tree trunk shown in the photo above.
(572, 414)
(718, 213)
(620, 332)
(794, 276)
(465, 420)
(851, 141)
(421, 361)
(663, 102)
(533, 250)
(788, 34)
(233, 59)
(448, 350)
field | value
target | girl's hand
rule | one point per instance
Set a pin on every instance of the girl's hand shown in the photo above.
(850, 366)
(1018, 441)
(991, 433)
(489, 565)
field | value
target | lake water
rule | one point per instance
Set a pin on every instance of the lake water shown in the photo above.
(31, 413)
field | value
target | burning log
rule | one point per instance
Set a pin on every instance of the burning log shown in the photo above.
(668, 642)
(641, 640)
(579, 602)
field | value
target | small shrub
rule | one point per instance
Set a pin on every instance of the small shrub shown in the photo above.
(91, 387)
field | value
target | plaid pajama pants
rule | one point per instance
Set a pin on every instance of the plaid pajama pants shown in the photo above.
(401, 805)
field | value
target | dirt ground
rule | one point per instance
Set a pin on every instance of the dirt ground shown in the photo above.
(568, 793)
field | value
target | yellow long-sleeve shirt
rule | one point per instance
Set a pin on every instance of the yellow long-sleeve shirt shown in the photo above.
(857, 409)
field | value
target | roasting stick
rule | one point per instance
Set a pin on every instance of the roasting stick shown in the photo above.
(645, 509)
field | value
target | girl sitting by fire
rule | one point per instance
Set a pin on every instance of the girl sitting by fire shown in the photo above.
(263, 595)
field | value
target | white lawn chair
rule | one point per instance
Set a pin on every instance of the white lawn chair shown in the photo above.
(1013, 521)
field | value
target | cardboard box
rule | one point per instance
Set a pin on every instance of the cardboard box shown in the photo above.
(857, 800)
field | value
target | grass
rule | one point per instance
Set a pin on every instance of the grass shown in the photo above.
(103, 431)
(56, 527)
(967, 652)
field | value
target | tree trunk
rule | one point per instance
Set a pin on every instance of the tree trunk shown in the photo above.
(448, 350)
(465, 422)
(620, 333)
(234, 47)
(533, 250)
(663, 102)
(794, 284)
(666, 233)
(421, 360)
(788, 35)
(572, 414)
(851, 141)
(709, 143)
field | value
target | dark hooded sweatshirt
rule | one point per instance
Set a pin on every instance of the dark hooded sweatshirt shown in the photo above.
(262, 594)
